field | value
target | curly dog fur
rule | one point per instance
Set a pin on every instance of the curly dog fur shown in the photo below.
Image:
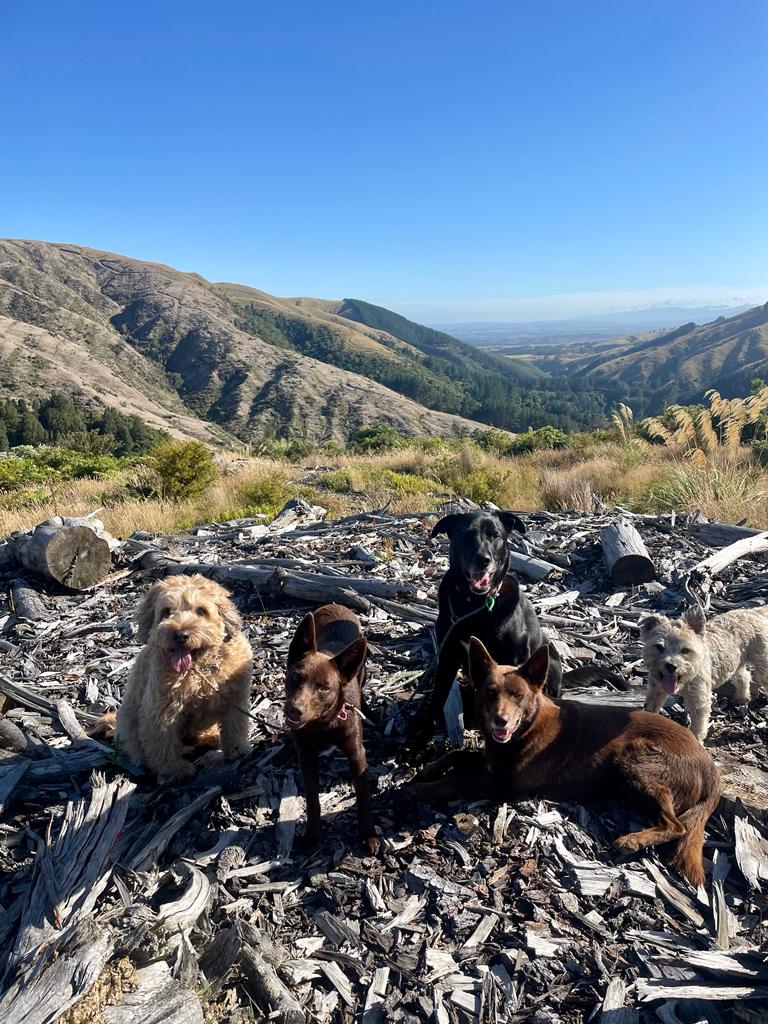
(693, 657)
(192, 677)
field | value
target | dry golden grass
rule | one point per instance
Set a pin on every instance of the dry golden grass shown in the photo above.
(419, 478)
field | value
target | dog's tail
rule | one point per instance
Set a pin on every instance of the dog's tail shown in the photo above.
(104, 727)
(590, 674)
(688, 849)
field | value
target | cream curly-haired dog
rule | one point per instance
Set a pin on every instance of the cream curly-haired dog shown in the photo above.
(192, 676)
(693, 657)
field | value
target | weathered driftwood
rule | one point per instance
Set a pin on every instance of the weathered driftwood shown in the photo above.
(718, 535)
(9, 779)
(751, 852)
(532, 567)
(144, 858)
(157, 999)
(742, 784)
(626, 556)
(29, 698)
(715, 563)
(270, 992)
(27, 602)
(72, 552)
(304, 586)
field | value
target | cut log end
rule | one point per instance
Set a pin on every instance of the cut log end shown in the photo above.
(626, 556)
(73, 555)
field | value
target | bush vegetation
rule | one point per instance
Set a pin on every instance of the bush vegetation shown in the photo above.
(698, 460)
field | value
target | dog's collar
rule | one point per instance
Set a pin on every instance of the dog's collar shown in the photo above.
(488, 604)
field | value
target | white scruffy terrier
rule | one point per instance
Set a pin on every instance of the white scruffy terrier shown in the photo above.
(693, 657)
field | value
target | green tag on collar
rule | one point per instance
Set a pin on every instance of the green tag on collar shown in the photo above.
(490, 602)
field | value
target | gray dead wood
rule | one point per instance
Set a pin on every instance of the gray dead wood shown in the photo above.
(614, 1009)
(742, 784)
(149, 853)
(304, 586)
(159, 999)
(27, 602)
(75, 553)
(626, 556)
(717, 535)
(270, 992)
(10, 777)
(182, 913)
(531, 567)
(296, 512)
(11, 737)
(29, 698)
(56, 975)
(373, 1011)
(288, 817)
(751, 852)
(720, 559)
(659, 988)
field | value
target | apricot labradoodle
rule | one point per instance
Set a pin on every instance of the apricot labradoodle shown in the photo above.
(190, 682)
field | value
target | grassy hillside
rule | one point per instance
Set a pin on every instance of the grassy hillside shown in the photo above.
(678, 366)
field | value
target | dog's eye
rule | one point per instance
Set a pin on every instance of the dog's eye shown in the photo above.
(165, 613)
(659, 647)
(202, 612)
(685, 650)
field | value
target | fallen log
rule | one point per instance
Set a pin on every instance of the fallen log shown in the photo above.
(531, 566)
(626, 556)
(75, 553)
(720, 559)
(157, 998)
(274, 581)
(262, 978)
(721, 534)
(27, 603)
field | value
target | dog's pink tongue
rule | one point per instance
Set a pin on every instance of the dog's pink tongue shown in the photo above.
(481, 582)
(669, 682)
(181, 661)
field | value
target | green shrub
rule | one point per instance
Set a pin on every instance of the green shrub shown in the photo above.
(537, 440)
(338, 480)
(183, 469)
(402, 484)
(17, 473)
(495, 441)
(265, 495)
(379, 437)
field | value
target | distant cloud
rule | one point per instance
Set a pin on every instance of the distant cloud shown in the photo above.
(569, 304)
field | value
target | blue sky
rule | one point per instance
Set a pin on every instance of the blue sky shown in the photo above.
(452, 160)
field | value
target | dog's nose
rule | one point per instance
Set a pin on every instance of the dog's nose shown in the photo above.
(181, 636)
(670, 666)
(500, 721)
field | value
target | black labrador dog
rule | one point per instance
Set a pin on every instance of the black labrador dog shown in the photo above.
(479, 596)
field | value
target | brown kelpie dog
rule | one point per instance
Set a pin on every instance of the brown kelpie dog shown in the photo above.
(323, 687)
(564, 750)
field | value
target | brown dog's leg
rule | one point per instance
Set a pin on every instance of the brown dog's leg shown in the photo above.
(669, 826)
(355, 752)
(451, 788)
(310, 770)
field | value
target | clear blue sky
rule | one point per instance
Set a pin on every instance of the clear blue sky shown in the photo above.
(449, 158)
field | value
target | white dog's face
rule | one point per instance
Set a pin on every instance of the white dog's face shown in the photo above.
(184, 616)
(672, 650)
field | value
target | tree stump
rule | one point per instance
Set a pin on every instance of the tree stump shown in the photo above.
(72, 552)
(625, 554)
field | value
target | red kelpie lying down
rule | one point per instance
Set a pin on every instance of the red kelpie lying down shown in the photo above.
(564, 750)
(323, 687)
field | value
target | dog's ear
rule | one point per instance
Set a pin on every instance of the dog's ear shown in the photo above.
(695, 618)
(145, 616)
(349, 661)
(536, 668)
(510, 521)
(649, 623)
(304, 639)
(230, 616)
(481, 664)
(447, 524)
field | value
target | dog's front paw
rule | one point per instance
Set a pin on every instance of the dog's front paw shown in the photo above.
(372, 845)
(628, 844)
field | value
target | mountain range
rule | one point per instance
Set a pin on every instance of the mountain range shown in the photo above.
(224, 361)
(227, 362)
